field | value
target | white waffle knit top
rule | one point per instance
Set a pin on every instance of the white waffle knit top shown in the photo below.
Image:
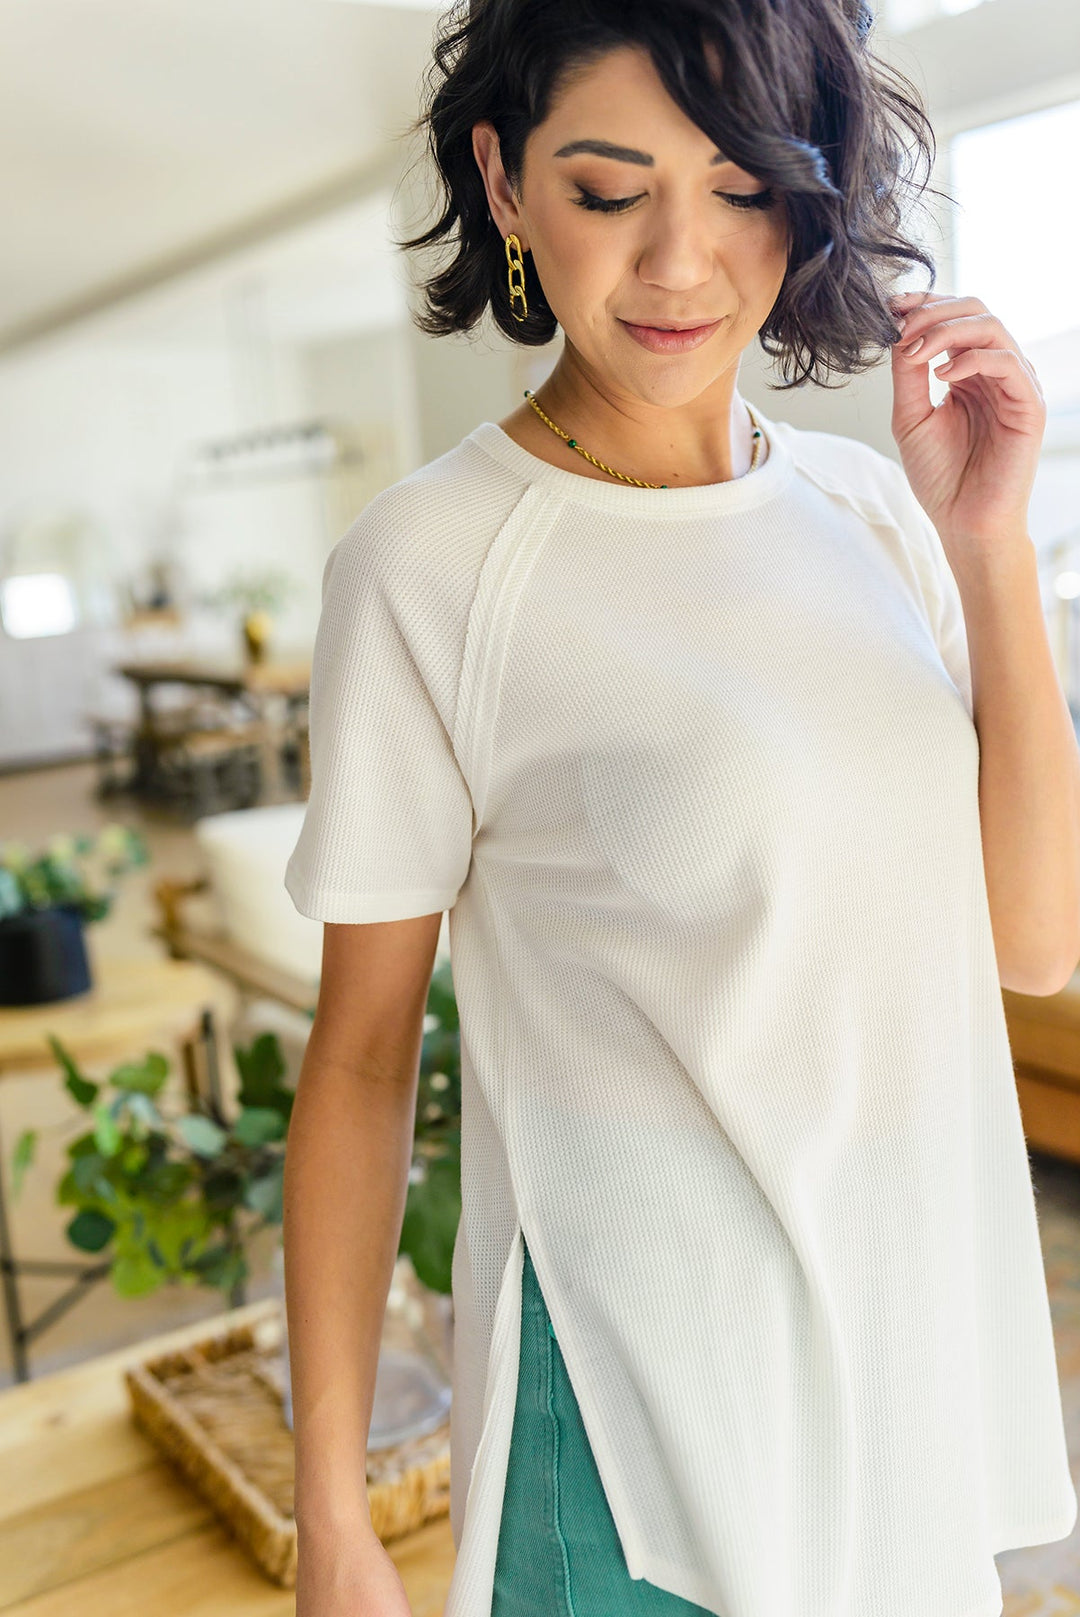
(695, 773)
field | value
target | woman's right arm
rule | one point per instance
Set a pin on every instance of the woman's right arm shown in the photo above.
(346, 1176)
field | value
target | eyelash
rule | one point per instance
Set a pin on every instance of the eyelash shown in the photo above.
(587, 199)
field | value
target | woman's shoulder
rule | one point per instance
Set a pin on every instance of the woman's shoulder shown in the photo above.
(877, 486)
(461, 482)
(437, 520)
(847, 466)
(412, 558)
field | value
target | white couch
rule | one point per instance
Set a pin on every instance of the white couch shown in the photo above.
(246, 851)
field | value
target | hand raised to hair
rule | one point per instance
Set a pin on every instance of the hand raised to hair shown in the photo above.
(971, 460)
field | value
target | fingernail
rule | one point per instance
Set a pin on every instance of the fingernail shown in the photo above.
(912, 347)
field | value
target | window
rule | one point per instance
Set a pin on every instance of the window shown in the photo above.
(33, 604)
(900, 16)
(1015, 245)
(1017, 235)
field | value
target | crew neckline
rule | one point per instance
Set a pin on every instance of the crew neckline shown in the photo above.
(734, 494)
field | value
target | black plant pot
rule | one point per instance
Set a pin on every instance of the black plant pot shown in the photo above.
(43, 956)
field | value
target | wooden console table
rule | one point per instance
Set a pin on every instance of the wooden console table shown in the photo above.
(256, 685)
(94, 1520)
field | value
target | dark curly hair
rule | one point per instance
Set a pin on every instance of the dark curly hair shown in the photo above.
(806, 107)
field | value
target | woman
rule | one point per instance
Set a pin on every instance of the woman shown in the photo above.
(737, 755)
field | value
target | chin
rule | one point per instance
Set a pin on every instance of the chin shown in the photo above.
(678, 388)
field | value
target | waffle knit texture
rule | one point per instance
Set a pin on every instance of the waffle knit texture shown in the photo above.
(695, 772)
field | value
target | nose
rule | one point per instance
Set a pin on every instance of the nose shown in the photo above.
(678, 254)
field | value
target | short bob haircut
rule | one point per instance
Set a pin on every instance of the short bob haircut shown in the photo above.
(804, 106)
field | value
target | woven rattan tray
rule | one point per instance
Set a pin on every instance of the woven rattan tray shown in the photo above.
(215, 1410)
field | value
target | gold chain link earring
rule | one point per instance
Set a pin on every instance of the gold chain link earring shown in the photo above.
(514, 246)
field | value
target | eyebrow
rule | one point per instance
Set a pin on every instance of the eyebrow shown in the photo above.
(621, 154)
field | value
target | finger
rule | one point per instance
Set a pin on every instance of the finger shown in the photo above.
(943, 340)
(1004, 364)
(906, 301)
(910, 296)
(911, 390)
(941, 336)
(952, 317)
(916, 318)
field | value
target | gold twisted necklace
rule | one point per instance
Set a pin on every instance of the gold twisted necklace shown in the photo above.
(755, 454)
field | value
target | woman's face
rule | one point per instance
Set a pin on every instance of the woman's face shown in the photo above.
(686, 245)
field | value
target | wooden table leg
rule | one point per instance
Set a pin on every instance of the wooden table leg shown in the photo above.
(12, 1310)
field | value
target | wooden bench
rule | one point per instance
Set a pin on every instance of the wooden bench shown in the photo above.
(251, 974)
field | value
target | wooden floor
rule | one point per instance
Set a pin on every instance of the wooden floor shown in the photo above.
(35, 804)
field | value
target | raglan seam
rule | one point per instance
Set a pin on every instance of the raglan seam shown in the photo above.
(485, 645)
(875, 508)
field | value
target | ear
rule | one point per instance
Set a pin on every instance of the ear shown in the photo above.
(502, 203)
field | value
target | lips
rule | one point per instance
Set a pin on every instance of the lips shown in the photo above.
(673, 325)
(677, 340)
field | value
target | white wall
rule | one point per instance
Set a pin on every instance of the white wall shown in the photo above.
(103, 418)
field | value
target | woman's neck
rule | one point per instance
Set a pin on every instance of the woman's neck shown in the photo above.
(654, 444)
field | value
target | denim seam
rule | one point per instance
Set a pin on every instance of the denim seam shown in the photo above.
(555, 1475)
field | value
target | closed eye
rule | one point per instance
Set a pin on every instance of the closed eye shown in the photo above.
(751, 199)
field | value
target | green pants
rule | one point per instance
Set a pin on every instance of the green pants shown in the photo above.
(559, 1553)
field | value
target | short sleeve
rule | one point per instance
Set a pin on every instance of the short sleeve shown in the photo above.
(945, 610)
(387, 829)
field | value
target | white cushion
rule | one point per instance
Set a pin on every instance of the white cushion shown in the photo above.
(245, 851)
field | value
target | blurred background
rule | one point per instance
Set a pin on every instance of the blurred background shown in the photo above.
(206, 358)
(207, 368)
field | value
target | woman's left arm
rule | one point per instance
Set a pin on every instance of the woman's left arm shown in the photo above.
(971, 463)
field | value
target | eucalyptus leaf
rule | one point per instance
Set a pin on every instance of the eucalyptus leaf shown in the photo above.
(107, 1135)
(264, 1195)
(79, 1088)
(261, 1067)
(88, 1173)
(135, 1274)
(432, 1214)
(141, 1108)
(68, 1193)
(163, 1182)
(223, 1187)
(221, 1266)
(202, 1135)
(145, 1076)
(441, 1001)
(256, 1125)
(133, 1157)
(90, 1230)
(11, 899)
(171, 1228)
(22, 1157)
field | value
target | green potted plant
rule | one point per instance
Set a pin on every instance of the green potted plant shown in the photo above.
(178, 1196)
(47, 896)
(433, 1200)
(174, 1197)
